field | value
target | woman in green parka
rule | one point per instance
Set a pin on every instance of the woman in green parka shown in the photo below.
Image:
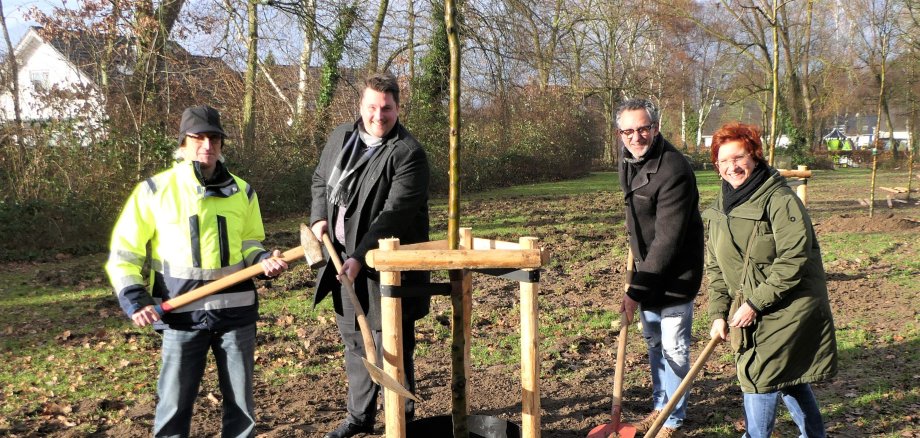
(767, 289)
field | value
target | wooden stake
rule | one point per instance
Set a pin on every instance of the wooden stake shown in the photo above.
(530, 352)
(802, 190)
(391, 320)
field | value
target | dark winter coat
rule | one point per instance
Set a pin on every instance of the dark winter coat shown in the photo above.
(664, 226)
(792, 340)
(391, 201)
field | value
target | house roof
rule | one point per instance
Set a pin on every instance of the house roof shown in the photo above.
(87, 51)
(834, 134)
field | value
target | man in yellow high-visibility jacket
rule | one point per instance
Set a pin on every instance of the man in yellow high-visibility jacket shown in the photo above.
(192, 224)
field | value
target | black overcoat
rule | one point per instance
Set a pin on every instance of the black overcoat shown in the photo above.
(392, 201)
(664, 226)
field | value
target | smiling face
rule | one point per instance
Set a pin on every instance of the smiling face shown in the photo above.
(204, 148)
(735, 163)
(379, 112)
(641, 131)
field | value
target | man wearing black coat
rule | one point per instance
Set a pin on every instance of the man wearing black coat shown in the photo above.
(666, 237)
(371, 183)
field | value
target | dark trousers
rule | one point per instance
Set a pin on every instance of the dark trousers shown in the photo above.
(362, 391)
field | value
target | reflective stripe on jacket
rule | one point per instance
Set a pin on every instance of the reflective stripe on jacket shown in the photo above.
(195, 235)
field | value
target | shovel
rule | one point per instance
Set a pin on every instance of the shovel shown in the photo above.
(309, 248)
(614, 428)
(684, 386)
(370, 348)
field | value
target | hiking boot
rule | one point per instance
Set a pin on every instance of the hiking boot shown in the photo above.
(347, 430)
(667, 432)
(645, 424)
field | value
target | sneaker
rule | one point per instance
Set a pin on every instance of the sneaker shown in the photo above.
(667, 432)
(645, 424)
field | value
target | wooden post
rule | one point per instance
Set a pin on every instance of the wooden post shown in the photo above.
(391, 321)
(802, 190)
(530, 352)
(466, 239)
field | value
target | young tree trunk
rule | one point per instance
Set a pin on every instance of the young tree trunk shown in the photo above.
(775, 64)
(459, 404)
(411, 47)
(878, 141)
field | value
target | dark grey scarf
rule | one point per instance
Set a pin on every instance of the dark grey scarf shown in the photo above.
(341, 183)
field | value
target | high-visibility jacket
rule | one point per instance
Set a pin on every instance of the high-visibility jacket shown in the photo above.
(196, 233)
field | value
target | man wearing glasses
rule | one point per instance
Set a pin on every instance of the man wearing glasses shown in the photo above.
(666, 237)
(194, 223)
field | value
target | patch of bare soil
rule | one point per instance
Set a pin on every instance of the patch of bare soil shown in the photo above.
(862, 223)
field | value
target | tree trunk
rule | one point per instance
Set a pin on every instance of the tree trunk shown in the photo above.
(775, 75)
(249, 80)
(459, 403)
(330, 79)
(152, 28)
(13, 69)
(878, 140)
(411, 47)
(308, 23)
(375, 36)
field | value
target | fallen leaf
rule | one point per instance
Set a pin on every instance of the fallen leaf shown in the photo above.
(213, 399)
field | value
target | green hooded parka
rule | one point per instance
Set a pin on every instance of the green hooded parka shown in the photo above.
(793, 339)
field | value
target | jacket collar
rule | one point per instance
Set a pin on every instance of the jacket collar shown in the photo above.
(221, 185)
(651, 165)
(754, 207)
(393, 136)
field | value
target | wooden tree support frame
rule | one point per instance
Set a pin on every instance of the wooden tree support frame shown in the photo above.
(483, 254)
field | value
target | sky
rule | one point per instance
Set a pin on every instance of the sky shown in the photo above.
(14, 10)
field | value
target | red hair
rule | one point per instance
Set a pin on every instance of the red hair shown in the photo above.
(747, 135)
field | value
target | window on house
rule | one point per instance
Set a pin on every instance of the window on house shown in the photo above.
(39, 79)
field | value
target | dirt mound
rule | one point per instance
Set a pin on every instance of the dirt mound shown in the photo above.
(865, 224)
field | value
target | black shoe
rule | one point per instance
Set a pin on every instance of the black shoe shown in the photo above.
(347, 429)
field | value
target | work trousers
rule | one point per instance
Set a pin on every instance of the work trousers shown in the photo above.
(184, 355)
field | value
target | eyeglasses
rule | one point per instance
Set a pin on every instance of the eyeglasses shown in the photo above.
(213, 137)
(642, 130)
(733, 161)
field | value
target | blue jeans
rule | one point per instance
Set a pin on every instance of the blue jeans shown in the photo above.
(184, 355)
(667, 334)
(760, 412)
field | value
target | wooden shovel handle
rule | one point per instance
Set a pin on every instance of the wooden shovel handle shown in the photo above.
(370, 348)
(220, 284)
(617, 404)
(684, 386)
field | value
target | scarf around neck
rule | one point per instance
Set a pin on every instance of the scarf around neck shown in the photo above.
(732, 197)
(344, 177)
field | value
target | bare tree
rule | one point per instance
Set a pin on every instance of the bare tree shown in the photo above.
(875, 24)
(12, 70)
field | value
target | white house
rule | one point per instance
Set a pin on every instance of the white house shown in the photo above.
(52, 87)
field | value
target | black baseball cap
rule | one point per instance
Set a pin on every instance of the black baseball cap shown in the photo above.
(199, 119)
